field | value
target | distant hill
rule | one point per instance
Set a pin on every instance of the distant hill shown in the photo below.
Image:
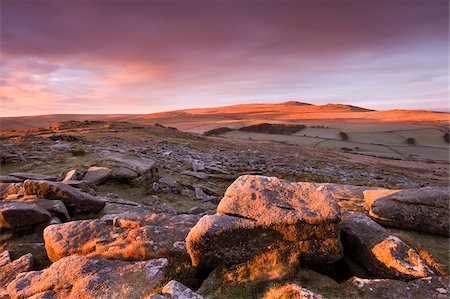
(236, 116)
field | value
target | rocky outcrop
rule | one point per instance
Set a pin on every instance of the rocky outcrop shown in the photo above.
(75, 200)
(382, 253)
(261, 214)
(10, 270)
(423, 209)
(9, 179)
(22, 216)
(122, 237)
(116, 167)
(82, 277)
(427, 287)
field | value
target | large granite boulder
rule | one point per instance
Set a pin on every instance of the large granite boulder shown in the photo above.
(123, 237)
(423, 209)
(382, 253)
(22, 216)
(75, 200)
(265, 214)
(82, 277)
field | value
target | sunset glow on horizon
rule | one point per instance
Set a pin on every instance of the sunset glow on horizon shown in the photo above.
(142, 57)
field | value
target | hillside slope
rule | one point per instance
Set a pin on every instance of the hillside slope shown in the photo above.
(203, 119)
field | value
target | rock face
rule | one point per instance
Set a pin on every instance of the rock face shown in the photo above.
(261, 214)
(22, 216)
(427, 287)
(81, 277)
(10, 270)
(380, 252)
(126, 237)
(74, 200)
(424, 209)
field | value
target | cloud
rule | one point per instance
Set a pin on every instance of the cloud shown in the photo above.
(141, 56)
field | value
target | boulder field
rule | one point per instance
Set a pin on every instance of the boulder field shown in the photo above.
(268, 238)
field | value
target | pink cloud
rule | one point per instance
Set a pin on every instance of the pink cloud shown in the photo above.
(78, 57)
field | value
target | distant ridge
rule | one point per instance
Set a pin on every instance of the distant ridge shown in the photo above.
(295, 103)
(200, 120)
(344, 107)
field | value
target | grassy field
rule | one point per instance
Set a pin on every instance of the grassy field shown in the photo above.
(429, 143)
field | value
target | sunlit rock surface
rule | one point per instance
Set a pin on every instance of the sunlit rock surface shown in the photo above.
(382, 253)
(261, 214)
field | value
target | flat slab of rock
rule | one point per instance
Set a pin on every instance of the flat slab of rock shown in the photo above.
(97, 175)
(123, 173)
(382, 253)
(427, 287)
(55, 207)
(82, 277)
(198, 175)
(10, 270)
(120, 237)
(261, 214)
(32, 176)
(22, 216)
(9, 179)
(75, 200)
(422, 209)
(139, 165)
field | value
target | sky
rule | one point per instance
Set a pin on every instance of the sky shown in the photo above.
(150, 56)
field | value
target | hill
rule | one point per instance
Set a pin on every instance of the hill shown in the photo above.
(204, 119)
